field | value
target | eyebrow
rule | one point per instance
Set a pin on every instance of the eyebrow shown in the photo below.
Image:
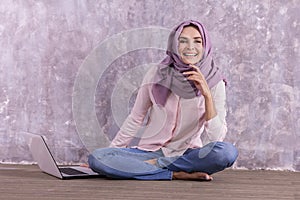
(187, 38)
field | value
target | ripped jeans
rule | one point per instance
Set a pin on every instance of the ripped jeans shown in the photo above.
(128, 163)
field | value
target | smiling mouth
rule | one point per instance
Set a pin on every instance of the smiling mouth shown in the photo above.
(190, 54)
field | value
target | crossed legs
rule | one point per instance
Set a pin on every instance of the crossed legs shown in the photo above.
(194, 164)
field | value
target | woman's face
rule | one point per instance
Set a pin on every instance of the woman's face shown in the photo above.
(190, 47)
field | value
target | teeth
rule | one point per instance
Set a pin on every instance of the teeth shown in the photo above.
(189, 54)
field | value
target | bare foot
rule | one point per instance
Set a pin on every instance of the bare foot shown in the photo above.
(151, 161)
(192, 176)
(84, 165)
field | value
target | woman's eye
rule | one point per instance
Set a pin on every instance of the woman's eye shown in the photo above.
(182, 41)
(198, 41)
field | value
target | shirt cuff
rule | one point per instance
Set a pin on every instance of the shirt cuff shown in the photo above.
(216, 129)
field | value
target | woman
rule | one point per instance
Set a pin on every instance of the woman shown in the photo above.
(184, 98)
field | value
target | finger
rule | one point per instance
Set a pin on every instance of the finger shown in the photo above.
(197, 70)
(195, 78)
(195, 67)
(190, 73)
(196, 81)
(193, 73)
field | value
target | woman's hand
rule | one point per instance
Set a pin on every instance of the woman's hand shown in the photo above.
(201, 84)
(199, 81)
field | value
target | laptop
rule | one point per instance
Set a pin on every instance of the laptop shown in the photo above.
(45, 160)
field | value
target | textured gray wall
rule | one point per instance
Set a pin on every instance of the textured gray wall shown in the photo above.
(45, 44)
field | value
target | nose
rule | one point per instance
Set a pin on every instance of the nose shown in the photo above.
(190, 45)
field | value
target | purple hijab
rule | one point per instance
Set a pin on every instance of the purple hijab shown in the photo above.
(169, 75)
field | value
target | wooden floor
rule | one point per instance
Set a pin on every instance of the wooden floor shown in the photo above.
(28, 182)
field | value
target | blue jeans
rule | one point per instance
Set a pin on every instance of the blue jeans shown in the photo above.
(128, 163)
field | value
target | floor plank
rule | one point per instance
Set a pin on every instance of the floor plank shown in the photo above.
(28, 182)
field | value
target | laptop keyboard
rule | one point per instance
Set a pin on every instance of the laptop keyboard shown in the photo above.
(70, 171)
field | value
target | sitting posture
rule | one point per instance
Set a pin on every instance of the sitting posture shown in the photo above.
(185, 102)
